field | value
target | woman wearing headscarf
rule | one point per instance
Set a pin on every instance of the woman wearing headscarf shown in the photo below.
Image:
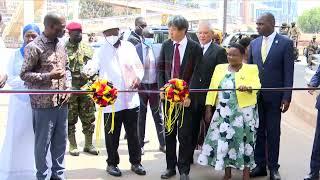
(17, 153)
(230, 139)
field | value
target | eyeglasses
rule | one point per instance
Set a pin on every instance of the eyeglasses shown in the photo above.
(142, 26)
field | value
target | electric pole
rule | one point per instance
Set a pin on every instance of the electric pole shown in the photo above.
(224, 16)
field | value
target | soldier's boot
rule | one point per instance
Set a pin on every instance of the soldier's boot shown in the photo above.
(88, 146)
(73, 149)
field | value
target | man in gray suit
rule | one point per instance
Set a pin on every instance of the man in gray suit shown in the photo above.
(149, 53)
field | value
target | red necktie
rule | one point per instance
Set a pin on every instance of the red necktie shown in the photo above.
(176, 58)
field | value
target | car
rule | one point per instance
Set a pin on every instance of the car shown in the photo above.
(161, 34)
(235, 37)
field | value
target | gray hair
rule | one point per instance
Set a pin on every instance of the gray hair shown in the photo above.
(207, 24)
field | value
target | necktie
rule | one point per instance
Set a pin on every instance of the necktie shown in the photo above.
(176, 67)
(264, 48)
(202, 48)
(146, 65)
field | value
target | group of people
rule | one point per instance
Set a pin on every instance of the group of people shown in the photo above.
(242, 126)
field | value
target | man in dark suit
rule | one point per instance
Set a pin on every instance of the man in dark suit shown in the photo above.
(136, 35)
(148, 56)
(179, 57)
(213, 55)
(273, 53)
(315, 156)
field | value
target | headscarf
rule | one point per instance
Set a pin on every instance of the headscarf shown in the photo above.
(27, 28)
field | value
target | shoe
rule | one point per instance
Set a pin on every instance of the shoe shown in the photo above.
(55, 178)
(184, 177)
(258, 172)
(73, 149)
(114, 171)
(142, 151)
(162, 149)
(312, 176)
(88, 147)
(138, 169)
(168, 174)
(274, 175)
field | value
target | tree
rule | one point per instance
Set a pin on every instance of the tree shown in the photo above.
(309, 21)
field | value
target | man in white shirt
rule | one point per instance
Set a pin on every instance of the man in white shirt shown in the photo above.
(148, 56)
(118, 62)
(213, 55)
(273, 54)
(179, 57)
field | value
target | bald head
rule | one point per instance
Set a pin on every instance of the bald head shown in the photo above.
(52, 19)
(54, 25)
(205, 32)
(265, 24)
(140, 23)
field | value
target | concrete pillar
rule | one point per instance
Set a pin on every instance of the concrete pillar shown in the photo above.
(28, 11)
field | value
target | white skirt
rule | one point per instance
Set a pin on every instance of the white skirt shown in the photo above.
(17, 152)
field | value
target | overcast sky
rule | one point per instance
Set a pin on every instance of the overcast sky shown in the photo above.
(306, 4)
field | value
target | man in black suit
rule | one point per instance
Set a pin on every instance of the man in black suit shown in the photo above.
(179, 57)
(136, 35)
(148, 55)
(213, 55)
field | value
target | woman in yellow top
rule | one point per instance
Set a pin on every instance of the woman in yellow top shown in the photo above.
(230, 139)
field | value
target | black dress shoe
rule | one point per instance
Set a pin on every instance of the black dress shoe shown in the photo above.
(114, 171)
(274, 175)
(184, 177)
(312, 176)
(168, 174)
(138, 169)
(258, 172)
(55, 178)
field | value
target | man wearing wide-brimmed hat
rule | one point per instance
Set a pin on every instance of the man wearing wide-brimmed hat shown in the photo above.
(118, 62)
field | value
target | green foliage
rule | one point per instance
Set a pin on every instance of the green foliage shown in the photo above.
(94, 9)
(309, 21)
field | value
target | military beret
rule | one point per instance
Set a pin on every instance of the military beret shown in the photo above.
(73, 26)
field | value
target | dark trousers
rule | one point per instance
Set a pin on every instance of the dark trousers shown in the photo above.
(268, 134)
(315, 157)
(129, 118)
(50, 130)
(197, 117)
(185, 143)
(154, 101)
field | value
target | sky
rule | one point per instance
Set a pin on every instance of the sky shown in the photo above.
(306, 4)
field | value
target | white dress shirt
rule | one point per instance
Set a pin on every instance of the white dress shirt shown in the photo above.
(182, 49)
(205, 47)
(270, 39)
(150, 75)
(121, 67)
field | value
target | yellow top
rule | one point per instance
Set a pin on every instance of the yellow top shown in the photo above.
(248, 75)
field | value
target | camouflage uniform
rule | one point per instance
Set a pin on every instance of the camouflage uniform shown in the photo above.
(284, 29)
(294, 34)
(80, 106)
(311, 49)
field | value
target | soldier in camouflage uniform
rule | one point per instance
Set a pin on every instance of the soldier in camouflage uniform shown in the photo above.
(80, 106)
(294, 34)
(311, 49)
(284, 29)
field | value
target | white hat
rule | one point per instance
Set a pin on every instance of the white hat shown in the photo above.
(110, 25)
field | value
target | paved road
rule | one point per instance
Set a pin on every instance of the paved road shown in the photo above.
(296, 142)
